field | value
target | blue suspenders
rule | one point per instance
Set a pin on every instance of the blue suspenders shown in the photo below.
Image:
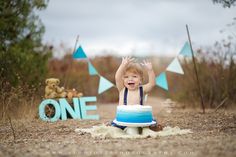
(140, 93)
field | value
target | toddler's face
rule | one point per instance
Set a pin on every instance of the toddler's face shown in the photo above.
(131, 80)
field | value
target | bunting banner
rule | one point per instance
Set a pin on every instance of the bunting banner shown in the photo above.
(104, 85)
(175, 67)
(91, 69)
(186, 50)
(161, 81)
(79, 53)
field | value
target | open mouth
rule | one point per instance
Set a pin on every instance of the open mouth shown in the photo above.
(130, 84)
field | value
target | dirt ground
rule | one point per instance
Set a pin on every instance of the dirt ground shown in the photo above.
(214, 134)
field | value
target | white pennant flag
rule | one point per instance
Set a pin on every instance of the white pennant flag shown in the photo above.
(175, 67)
(104, 85)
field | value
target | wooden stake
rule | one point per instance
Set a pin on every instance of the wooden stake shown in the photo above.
(69, 68)
(196, 73)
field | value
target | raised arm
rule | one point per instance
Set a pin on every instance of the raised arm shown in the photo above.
(151, 77)
(120, 72)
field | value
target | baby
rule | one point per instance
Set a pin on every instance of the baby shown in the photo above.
(129, 77)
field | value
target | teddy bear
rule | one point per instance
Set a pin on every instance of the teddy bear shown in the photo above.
(73, 93)
(52, 89)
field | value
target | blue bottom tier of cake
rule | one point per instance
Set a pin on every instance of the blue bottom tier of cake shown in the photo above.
(134, 117)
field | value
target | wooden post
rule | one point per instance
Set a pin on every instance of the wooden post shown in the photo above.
(196, 73)
(69, 68)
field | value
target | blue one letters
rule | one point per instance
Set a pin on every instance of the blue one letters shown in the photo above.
(79, 111)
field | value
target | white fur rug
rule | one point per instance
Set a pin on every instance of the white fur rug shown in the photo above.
(103, 131)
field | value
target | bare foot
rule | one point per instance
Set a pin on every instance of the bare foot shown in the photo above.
(157, 127)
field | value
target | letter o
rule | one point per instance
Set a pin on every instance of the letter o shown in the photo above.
(42, 114)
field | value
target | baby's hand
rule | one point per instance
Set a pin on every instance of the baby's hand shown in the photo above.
(127, 60)
(147, 64)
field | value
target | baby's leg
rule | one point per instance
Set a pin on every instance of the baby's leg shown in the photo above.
(118, 126)
(115, 125)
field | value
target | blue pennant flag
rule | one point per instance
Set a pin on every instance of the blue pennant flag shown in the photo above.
(186, 50)
(175, 66)
(104, 85)
(92, 70)
(161, 81)
(79, 53)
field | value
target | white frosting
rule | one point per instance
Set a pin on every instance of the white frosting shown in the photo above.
(135, 108)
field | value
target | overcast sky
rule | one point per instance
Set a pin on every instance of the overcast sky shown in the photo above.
(134, 27)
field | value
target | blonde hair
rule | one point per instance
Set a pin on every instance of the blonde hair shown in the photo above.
(135, 68)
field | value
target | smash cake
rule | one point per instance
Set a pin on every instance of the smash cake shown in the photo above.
(134, 115)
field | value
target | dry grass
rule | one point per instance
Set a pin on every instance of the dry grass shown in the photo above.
(19, 104)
